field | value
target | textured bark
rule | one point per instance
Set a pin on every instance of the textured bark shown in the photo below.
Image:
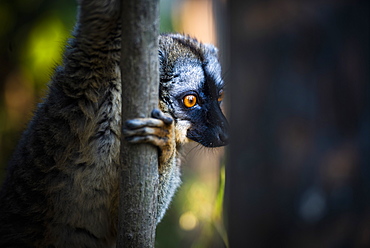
(140, 80)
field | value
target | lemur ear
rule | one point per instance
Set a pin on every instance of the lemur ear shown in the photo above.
(164, 67)
(162, 56)
(162, 59)
(211, 49)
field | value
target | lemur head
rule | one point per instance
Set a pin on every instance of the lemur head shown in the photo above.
(191, 89)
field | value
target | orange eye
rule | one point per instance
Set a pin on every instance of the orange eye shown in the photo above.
(220, 96)
(190, 101)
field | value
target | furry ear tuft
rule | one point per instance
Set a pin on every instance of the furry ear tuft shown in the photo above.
(211, 49)
(162, 56)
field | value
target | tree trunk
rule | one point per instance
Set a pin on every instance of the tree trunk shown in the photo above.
(140, 80)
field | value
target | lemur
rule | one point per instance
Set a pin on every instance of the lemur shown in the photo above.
(62, 184)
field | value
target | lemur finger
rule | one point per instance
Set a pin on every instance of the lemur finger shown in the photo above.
(156, 113)
(144, 131)
(143, 122)
(147, 139)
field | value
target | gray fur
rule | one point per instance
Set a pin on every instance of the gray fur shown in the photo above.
(62, 184)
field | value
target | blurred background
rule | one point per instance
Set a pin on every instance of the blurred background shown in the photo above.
(297, 173)
(297, 74)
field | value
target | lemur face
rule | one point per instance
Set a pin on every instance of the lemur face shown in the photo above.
(192, 90)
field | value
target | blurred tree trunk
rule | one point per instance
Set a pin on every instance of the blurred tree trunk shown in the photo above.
(297, 172)
(140, 80)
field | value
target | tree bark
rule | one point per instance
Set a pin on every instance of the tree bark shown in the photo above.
(140, 80)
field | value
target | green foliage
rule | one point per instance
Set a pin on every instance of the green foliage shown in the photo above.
(32, 37)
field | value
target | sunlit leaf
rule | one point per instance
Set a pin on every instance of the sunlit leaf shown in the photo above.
(45, 46)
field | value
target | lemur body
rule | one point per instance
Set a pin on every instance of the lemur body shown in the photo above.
(62, 184)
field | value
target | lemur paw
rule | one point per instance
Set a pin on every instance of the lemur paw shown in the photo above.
(158, 130)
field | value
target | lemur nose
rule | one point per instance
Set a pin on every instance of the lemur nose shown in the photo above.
(224, 138)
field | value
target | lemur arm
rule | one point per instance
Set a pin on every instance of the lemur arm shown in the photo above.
(92, 56)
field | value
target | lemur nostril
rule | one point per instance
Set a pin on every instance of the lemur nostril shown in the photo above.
(223, 137)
